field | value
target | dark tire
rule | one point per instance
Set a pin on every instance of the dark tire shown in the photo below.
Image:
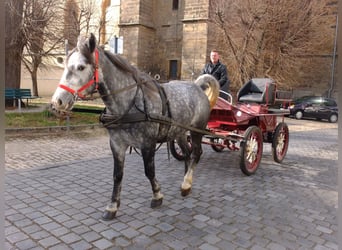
(251, 150)
(176, 151)
(280, 142)
(299, 115)
(333, 118)
(216, 148)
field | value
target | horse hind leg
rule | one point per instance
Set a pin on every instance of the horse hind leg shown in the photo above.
(148, 157)
(195, 157)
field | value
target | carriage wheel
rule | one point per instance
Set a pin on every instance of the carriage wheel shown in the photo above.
(176, 151)
(251, 150)
(217, 148)
(280, 142)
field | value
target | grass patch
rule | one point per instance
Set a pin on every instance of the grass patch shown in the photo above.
(46, 119)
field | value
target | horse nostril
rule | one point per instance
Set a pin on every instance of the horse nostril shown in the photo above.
(59, 102)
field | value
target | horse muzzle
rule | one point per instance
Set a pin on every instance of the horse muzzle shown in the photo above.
(61, 105)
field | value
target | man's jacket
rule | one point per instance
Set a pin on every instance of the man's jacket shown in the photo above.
(219, 71)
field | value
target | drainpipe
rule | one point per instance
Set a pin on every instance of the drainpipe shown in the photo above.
(334, 61)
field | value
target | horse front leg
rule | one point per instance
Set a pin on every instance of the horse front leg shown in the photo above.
(196, 153)
(119, 161)
(148, 157)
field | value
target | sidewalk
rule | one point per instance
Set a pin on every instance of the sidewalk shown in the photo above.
(57, 187)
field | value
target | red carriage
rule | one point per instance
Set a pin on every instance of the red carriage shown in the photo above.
(253, 120)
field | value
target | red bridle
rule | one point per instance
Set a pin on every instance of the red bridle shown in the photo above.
(94, 80)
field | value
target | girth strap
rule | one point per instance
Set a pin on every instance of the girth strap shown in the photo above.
(165, 108)
(111, 121)
(165, 101)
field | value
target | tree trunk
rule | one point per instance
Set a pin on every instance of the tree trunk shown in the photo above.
(34, 82)
(14, 42)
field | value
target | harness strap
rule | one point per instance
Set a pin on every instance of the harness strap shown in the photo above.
(165, 101)
(112, 121)
(165, 105)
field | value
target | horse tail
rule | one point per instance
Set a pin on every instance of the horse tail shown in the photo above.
(210, 86)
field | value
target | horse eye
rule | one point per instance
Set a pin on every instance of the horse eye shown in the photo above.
(80, 67)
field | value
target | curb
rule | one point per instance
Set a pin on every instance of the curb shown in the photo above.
(51, 130)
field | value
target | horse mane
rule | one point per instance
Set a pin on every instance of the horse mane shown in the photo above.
(125, 66)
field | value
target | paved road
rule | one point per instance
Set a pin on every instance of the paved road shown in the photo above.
(57, 187)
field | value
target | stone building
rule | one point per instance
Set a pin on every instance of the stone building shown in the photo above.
(170, 39)
(166, 38)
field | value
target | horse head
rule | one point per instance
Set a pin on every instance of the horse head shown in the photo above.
(80, 76)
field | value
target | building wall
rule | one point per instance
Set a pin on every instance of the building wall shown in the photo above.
(113, 18)
(194, 48)
(48, 80)
(169, 35)
(157, 36)
(135, 22)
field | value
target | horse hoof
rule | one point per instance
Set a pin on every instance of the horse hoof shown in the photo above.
(156, 203)
(108, 215)
(185, 192)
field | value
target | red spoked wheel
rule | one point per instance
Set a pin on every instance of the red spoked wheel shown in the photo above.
(251, 150)
(280, 142)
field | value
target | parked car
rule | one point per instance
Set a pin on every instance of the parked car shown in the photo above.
(320, 108)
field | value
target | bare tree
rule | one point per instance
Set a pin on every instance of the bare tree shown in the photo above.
(14, 42)
(102, 27)
(79, 16)
(41, 33)
(33, 32)
(270, 38)
(43, 29)
(72, 27)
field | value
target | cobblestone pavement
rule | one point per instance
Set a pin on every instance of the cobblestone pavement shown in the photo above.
(57, 187)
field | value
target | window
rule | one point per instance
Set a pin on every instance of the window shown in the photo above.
(175, 4)
(330, 103)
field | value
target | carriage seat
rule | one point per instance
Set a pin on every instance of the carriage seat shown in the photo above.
(258, 90)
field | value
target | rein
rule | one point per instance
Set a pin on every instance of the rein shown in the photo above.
(111, 121)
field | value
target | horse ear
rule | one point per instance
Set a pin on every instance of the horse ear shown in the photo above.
(92, 43)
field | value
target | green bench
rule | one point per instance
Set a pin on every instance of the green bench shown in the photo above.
(10, 95)
(19, 94)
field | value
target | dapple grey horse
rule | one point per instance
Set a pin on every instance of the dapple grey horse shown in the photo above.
(139, 111)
